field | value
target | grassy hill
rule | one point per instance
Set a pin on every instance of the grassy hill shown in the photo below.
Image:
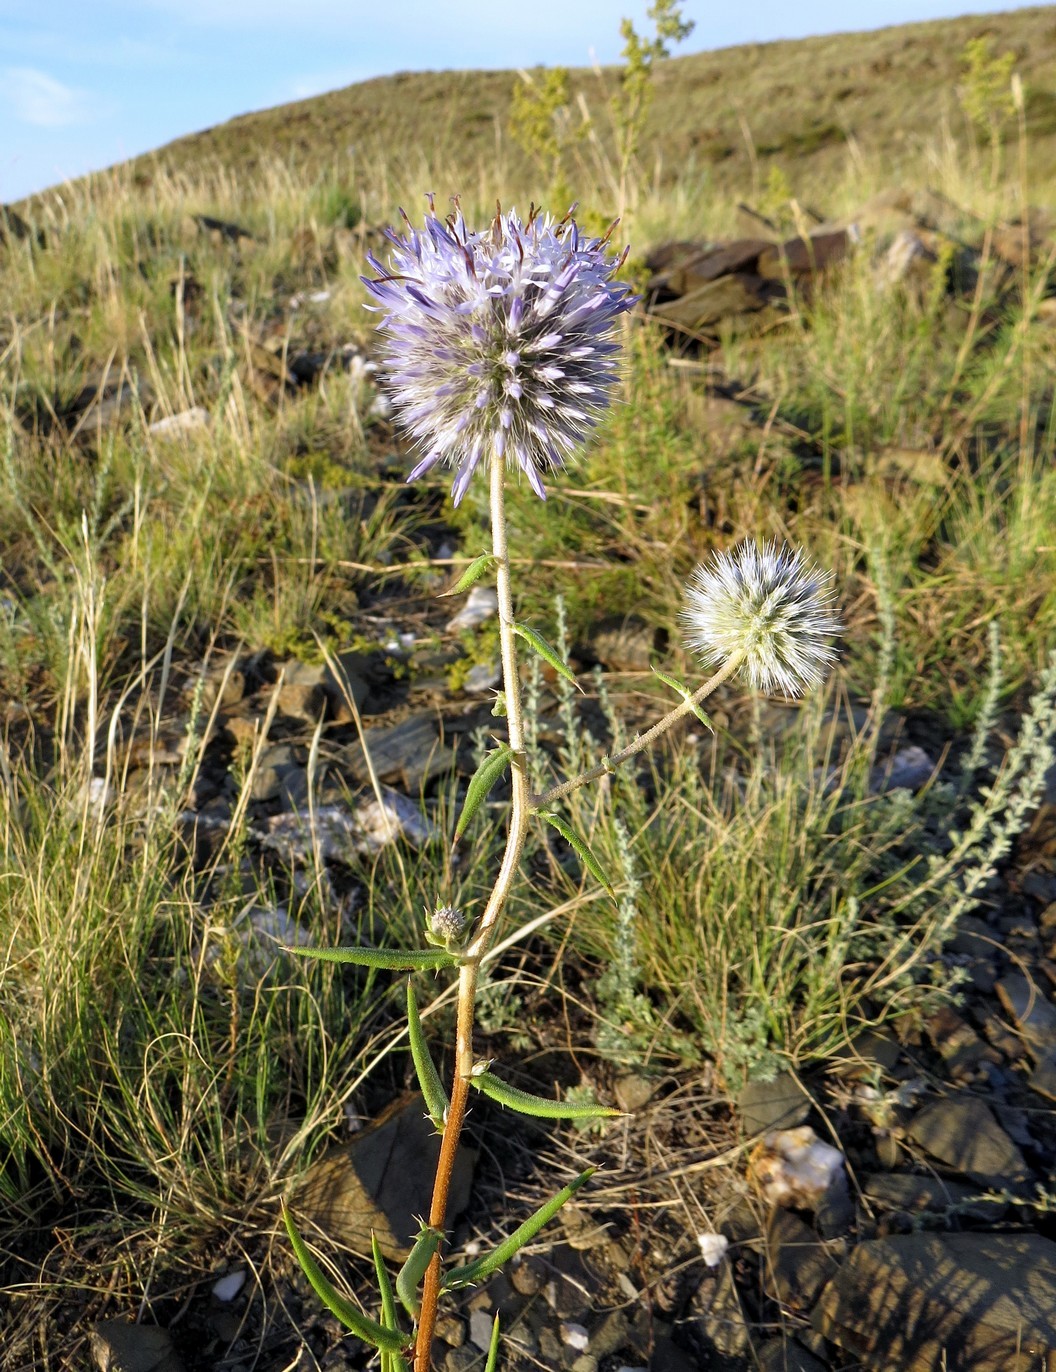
(717, 115)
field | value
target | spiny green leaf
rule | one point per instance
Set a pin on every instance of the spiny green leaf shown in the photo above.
(524, 1234)
(370, 1331)
(542, 1106)
(480, 566)
(581, 848)
(389, 959)
(686, 694)
(390, 1362)
(410, 1275)
(539, 643)
(388, 1301)
(493, 1347)
(436, 1101)
(484, 778)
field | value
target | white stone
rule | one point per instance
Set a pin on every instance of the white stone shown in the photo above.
(229, 1285)
(792, 1167)
(713, 1248)
(481, 603)
(187, 421)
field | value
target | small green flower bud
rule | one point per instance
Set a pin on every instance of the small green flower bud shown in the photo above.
(445, 926)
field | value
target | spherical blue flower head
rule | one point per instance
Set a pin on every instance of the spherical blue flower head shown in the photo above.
(501, 341)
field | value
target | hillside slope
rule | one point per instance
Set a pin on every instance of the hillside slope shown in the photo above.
(796, 102)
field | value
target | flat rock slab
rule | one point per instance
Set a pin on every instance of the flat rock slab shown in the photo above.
(925, 1302)
(798, 1263)
(1035, 1016)
(914, 1195)
(779, 1103)
(964, 1135)
(785, 1355)
(382, 1181)
(409, 752)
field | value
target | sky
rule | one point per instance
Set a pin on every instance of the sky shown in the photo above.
(84, 85)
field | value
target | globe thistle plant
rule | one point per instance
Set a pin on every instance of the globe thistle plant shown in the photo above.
(770, 609)
(500, 341)
(501, 351)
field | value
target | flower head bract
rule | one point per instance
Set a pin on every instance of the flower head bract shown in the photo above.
(499, 342)
(770, 608)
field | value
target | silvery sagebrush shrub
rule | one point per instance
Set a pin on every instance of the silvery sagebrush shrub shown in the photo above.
(501, 353)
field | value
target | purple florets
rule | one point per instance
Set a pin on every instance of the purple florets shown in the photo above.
(499, 342)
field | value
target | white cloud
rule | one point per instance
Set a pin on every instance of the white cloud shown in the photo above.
(36, 98)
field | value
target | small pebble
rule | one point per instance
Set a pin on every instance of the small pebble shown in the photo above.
(575, 1336)
(229, 1285)
(713, 1248)
(480, 1322)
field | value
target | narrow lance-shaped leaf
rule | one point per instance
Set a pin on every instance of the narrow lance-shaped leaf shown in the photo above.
(524, 1234)
(370, 1331)
(686, 695)
(480, 566)
(539, 643)
(390, 1362)
(387, 959)
(493, 1347)
(410, 1275)
(581, 848)
(436, 1101)
(542, 1106)
(483, 779)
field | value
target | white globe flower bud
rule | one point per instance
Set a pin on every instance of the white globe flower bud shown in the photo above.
(769, 607)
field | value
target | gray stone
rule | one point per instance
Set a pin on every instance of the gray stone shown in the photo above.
(633, 1090)
(450, 1329)
(120, 1347)
(301, 700)
(963, 1134)
(275, 771)
(1035, 1016)
(463, 1360)
(1043, 1078)
(869, 1050)
(409, 753)
(974, 937)
(908, 770)
(480, 1322)
(528, 1276)
(347, 679)
(921, 1302)
(715, 1321)
(777, 1104)
(381, 1181)
(961, 1047)
(668, 1357)
(915, 1195)
(625, 644)
(609, 1333)
(785, 1355)
(727, 296)
(570, 1278)
(798, 1264)
(482, 677)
